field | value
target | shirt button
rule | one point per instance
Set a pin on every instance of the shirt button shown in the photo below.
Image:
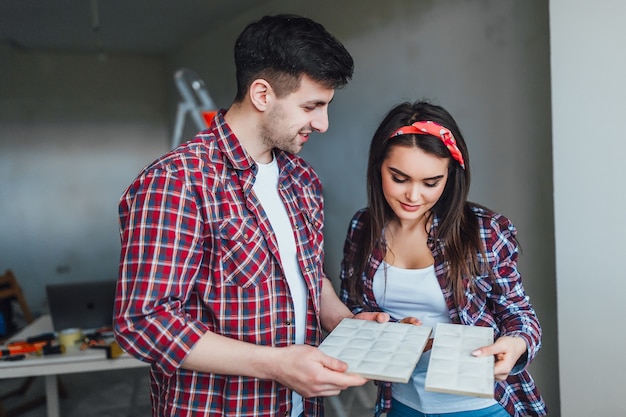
(307, 269)
(288, 323)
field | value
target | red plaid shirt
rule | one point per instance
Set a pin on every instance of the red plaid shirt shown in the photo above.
(501, 304)
(198, 254)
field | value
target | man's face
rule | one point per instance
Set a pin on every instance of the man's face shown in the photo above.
(292, 118)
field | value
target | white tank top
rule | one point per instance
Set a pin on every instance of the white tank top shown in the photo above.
(416, 293)
(266, 189)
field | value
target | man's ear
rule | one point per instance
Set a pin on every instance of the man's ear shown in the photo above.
(261, 94)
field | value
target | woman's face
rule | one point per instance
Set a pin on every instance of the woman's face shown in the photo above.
(412, 181)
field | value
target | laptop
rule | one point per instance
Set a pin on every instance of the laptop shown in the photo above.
(85, 305)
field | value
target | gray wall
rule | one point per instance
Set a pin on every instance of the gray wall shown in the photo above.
(588, 41)
(74, 130)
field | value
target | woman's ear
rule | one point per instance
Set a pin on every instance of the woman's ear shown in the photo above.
(261, 94)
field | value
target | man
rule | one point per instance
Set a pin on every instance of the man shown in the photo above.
(221, 285)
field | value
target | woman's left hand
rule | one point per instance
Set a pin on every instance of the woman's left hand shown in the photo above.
(374, 316)
(507, 350)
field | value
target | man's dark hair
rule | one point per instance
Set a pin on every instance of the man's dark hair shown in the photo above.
(282, 48)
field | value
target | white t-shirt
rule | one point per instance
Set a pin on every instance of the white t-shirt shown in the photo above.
(266, 189)
(416, 293)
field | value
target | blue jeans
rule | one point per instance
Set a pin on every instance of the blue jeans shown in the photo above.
(400, 410)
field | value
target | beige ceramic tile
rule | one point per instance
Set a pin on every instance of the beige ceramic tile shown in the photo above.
(452, 368)
(380, 351)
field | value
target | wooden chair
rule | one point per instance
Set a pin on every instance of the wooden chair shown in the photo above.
(10, 290)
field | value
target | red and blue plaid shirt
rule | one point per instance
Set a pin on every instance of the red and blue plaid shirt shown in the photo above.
(198, 254)
(501, 304)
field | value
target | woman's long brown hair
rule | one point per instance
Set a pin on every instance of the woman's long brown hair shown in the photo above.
(458, 227)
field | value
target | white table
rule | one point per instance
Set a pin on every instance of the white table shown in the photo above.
(49, 366)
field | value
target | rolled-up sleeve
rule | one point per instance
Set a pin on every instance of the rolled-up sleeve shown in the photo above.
(161, 255)
(511, 305)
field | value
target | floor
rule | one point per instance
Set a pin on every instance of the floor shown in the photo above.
(109, 394)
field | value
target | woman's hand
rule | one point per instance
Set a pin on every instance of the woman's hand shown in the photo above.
(507, 351)
(418, 322)
(411, 320)
(384, 318)
(373, 315)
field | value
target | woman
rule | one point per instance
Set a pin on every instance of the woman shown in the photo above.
(421, 250)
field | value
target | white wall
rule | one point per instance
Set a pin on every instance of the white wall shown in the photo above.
(588, 59)
(486, 61)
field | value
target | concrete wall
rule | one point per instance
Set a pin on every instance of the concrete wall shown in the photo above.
(74, 131)
(588, 66)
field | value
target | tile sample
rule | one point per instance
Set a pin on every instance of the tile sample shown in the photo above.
(380, 351)
(452, 368)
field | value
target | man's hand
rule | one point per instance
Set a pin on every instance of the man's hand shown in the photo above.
(507, 350)
(312, 373)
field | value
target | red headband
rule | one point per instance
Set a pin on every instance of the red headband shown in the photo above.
(432, 128)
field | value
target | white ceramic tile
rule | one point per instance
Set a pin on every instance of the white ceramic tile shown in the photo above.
(380, 351)
(452, 368)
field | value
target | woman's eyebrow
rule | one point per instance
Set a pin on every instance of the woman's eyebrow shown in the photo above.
(399, 172)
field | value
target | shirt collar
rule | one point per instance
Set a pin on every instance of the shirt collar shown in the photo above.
(237, 156)
(228, 143)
